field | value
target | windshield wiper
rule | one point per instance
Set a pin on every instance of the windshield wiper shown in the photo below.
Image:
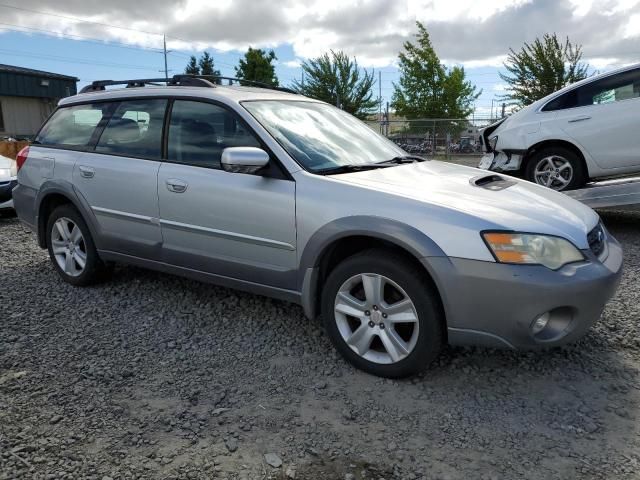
(403, 159)
(353, 168)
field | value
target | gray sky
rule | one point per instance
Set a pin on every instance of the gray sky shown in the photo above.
(472, 32)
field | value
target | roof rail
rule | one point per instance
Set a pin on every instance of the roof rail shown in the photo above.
(241, 81)
(182, 80)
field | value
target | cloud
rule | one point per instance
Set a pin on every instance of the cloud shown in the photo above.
(474, 33)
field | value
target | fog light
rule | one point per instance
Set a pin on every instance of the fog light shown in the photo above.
(539, 323)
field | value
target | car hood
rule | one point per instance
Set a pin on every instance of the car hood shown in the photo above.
(522, 206)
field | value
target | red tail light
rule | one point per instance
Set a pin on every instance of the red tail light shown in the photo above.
(22, 157)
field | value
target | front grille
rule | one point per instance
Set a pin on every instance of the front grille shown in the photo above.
(596, 240)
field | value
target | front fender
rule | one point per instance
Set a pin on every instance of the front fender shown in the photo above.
(402, 235)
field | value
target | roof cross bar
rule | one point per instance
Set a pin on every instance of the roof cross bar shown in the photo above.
(182, 80)
(241, 81)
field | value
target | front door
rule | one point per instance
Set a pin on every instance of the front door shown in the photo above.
(235, 225)
(606, 120)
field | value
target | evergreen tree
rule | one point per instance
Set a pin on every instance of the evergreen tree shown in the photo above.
(256, 65)
(192, 67)
(337, 79)
(541, 68)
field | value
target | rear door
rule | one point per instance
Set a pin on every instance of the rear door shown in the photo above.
(236, 225)
(119, 178)
(605, 119)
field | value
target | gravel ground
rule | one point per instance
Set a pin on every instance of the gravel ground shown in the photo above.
(153, 376)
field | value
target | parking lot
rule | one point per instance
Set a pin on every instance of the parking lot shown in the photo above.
(154, 376)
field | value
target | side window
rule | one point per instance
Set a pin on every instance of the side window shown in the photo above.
(135, 129)
(72, 126)
(567, 100)
(199, 132)
(615, 88)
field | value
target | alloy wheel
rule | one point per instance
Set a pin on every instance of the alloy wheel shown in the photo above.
(69, 247)
(376, 318)
(554, 172)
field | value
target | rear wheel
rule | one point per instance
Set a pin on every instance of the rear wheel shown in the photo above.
(71, 247)
(382, 315)
(557, 168)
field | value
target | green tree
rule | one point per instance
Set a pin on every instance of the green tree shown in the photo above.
(207, 67)
(541, 68)
(335, 78)
(192, 67)
(256, 65)
(428, 89)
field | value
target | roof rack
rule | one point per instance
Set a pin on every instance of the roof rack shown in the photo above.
(183, 80)
(241, 81)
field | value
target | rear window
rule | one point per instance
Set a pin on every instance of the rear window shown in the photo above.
(72, 126)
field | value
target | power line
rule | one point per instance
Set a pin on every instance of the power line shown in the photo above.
(80, 61)
(80, 38)
(77, 19)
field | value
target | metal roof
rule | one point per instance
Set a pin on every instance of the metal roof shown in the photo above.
(37, 73)
(27, 82)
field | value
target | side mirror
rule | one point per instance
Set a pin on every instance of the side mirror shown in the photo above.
(243, 159)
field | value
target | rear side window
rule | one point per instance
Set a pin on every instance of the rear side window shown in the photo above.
(72, 126)
(199, 132)
(135, 129)
(615, 88)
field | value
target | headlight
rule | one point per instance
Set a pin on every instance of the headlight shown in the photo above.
(6, 173)
(532, 249)
(493, 141)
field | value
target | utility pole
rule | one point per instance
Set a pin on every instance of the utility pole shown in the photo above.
(164, 49)
(503, 108)
(380, 99)
(302, 82)
(387, 121)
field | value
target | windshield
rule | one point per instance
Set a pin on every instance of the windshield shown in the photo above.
(321, 137)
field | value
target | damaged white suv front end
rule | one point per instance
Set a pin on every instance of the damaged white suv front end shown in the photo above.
(587, 130)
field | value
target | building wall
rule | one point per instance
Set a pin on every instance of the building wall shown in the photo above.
(23, 116)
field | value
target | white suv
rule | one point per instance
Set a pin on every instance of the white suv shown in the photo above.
(585, 131)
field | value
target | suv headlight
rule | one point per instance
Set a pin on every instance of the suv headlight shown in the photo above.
(531, 249)
(493, 141)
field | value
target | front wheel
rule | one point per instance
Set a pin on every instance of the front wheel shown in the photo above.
(556, 168)
(382, 315)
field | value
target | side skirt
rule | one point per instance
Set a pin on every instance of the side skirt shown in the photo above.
(251, 287)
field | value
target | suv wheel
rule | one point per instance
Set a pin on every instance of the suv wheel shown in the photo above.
(382, 315)
(71, 247)
(557, 168)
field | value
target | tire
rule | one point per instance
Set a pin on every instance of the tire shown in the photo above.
(401, 280)
(94, 270)
(564, 162)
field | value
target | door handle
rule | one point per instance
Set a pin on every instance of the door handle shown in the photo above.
(86, 172)
(579, 119)
(176, 186)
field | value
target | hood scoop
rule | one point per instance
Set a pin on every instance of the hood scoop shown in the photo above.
(492, 182)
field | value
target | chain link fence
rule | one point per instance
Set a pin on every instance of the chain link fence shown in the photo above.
(435, 136)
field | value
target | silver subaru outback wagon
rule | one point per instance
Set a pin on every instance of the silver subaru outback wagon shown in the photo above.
(281, 195)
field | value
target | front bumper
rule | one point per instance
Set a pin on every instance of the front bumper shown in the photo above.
(510, 161)
(6, 197)
(494, 305)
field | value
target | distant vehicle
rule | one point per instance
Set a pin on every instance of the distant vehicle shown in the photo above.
(8, 172)
(588, 130)
(271, 192)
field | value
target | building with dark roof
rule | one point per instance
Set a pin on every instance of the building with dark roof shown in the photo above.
(28, 96)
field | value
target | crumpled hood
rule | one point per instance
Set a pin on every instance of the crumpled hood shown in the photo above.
(523, 207)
